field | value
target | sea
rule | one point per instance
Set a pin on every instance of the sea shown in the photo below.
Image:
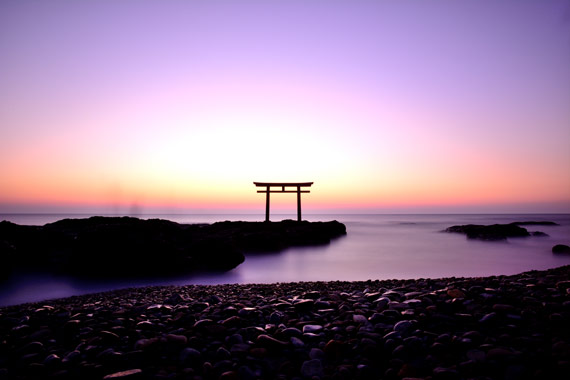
(376, 247)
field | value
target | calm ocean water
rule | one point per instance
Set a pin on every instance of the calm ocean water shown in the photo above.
(376, 247)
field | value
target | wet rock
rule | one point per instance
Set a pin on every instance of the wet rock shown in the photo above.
(492, 232)
(304, 305)
(404, 327)
(270, 342)
(499, 353)
(129, 374)
(122, 246)
(312, 329)
(440, 373)
(455, 293)
(176, 340)
(296, 342)
(334, 348)
(52, 360)
(189, 355)
(72, 357)
(489, 318)
(316, 353)
(32, 347)
(359, 318)
(561, 248)
(312, 368)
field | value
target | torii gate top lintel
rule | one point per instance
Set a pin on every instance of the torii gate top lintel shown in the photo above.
(283, 185)
(303, 184)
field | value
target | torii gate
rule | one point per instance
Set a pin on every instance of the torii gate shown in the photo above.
(283, 185)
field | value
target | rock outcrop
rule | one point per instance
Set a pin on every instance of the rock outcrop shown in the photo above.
(125, 246)
(561, 248)
(492, 232)
(498, 231)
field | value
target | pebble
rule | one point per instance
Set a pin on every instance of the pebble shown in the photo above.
(129, 374)
(312, 329)
(487, 327)
(312, 368)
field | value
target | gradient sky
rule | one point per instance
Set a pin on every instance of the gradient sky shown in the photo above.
(388, 106)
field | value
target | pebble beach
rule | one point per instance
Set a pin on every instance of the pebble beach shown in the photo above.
(499, 327)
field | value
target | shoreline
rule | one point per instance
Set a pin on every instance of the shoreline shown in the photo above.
(508, 326)
(190, 288)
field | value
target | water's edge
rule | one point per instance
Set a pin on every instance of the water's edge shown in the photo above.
(376, 247)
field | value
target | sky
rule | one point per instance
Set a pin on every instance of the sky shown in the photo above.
(387, 106)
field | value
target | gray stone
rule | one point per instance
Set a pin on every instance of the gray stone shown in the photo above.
(313, 329)
(311, 368)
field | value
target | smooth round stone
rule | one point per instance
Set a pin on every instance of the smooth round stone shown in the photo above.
(275, 317)
(393, 295)
(322, 304)
(498, 353)
(234, 320)
(440, 373)
(392, 335)
(382, 303)
(214, 299)
(311, 368)
(455, 293)
(145, 325)
(304, 305)
(359, 318)
(234, 339)
(51, 360)
(316, 353)
(476, 355)
(488, 318)
(312, 329)
(177, 340)
(128, 374)
(32, 347)
(239, 349)
(404, 326)
(333, 347)
(296, 342)
(246, 312)
(502, 308)
(292, 331)
(312, 295)
(414, 302)
(189, 354)
(246, 373)
(222, 353)
(72, 357)
(268, 341)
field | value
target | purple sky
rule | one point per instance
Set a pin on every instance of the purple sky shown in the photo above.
(386, 105)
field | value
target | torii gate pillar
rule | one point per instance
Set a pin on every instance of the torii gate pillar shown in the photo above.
(283, 186)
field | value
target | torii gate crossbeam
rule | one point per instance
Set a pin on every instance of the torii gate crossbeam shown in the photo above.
(283, 186)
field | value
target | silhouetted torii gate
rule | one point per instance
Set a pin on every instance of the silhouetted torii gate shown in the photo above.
(283, 185)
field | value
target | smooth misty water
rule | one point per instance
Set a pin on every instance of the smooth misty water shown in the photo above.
(376, 247)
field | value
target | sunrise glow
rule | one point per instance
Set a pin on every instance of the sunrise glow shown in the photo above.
(387, 106)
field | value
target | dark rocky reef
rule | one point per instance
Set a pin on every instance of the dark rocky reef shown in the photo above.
(498, 231)
(561, 248)
(125, 246)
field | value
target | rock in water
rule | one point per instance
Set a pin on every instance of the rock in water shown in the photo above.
(132, 247)
(561, 248)
(492, 232)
